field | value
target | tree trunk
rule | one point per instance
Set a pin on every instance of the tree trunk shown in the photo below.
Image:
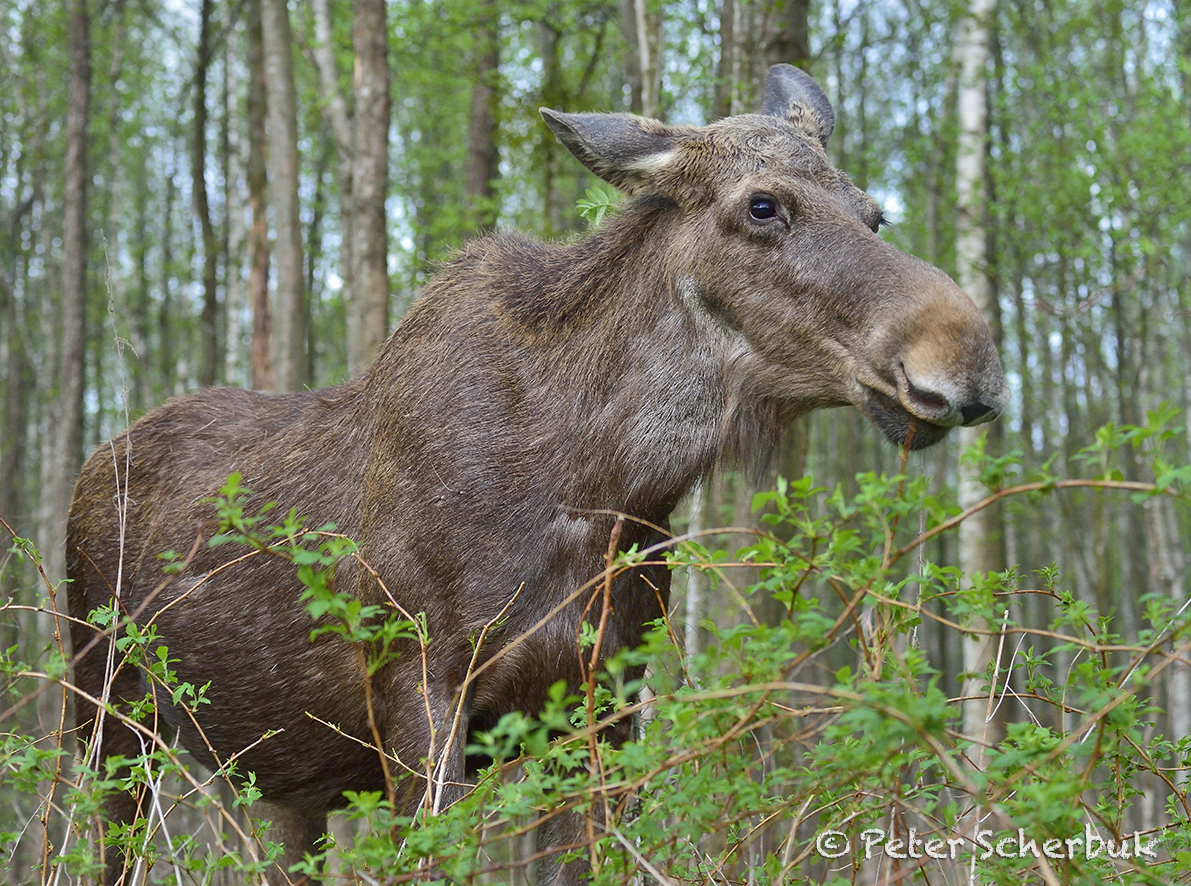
(17, 384)
(698, 586)
(235, 231)
(362, 147)
(67, 445)
(125, 320)
(725, 79)
(166, 367)
(335, 112)
(261, 351)
(209, 350)
(370, 180)
(282, 159)
(788, 40)
(642, 30)
(981, 537)
(557, 215)
(314, 239)
(1178, 686)
(142, 394)
(483, 158)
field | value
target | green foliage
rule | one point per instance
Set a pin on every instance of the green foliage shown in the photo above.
(816, 740)
(597, 201)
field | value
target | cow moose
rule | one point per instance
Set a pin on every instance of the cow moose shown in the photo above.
(531, 393)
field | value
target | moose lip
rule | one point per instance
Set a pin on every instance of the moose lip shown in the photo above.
(897, 424)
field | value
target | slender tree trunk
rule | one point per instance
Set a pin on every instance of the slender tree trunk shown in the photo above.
(483, 158)
(725, 74)
(142, 391)
(208, 366)
(335, 112)
(1171, 560)
(290, 318)
(1178, 686)
(314, 239)
(261, 351)
(549, 38)
(370, 181)
(235, 231)
(362, 147)
(166, 366)
(698, 588)
(642, 30)
(67, 445)
(15, 414)
(981, 538)
(125, 323)
(788, 37)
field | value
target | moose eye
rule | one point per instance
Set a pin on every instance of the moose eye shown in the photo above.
(762, 208)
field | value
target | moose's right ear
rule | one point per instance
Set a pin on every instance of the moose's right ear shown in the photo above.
(624, 150)
(794, 94)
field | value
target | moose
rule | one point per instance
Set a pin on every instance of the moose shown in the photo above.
(531, 394)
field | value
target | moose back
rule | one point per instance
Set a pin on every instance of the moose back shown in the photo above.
(531, 392)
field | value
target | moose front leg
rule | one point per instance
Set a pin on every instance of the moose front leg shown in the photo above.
(425, 738)
(561, 833)
(298, 831)
(449, 770)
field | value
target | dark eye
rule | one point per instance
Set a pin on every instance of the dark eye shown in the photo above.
(762, 208)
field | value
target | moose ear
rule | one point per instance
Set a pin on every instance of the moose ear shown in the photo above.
(794, 94)
(624, 150)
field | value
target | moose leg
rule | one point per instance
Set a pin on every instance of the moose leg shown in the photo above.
(298, 832)
(562, 832)
(121, 808)
(450, 770)
(107, 737)
(566, 829)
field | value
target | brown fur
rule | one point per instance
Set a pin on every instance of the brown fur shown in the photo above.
(531, 390)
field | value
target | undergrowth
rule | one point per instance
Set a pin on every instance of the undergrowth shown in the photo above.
(813, 740)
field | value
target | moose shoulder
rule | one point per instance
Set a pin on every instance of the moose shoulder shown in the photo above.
(531, 392)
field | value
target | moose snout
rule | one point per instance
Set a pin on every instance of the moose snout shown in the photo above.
(949, 373)
(951, 400)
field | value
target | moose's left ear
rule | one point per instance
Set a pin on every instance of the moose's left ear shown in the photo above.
(624, 150)
(792, 93)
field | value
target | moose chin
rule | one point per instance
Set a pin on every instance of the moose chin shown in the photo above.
(532, 392)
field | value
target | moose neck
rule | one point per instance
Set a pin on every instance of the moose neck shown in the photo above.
(595, 381)
(656, 384)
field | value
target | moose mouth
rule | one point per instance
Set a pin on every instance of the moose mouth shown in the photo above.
(898, 424)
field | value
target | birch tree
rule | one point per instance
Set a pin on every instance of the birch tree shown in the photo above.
(202, 210)
(641, 23)
(981, 538)
(360, 131)
(370, 178)
(64, 457)
(261, 350)
(483, 157)
(289, 330)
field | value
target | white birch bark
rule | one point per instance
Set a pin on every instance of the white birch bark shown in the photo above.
(980, 537)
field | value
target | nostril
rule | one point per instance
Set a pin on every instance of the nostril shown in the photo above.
(974, 413)
(930, 399)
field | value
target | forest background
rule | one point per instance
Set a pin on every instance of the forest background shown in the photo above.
(250, 193)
